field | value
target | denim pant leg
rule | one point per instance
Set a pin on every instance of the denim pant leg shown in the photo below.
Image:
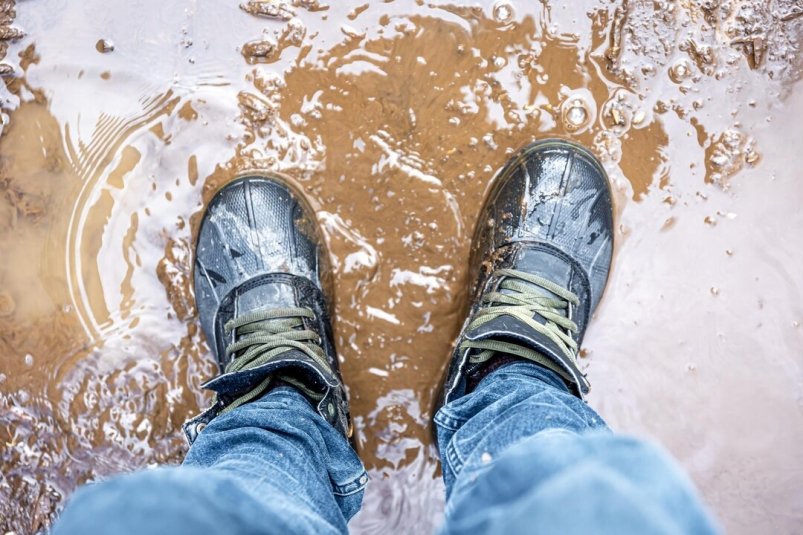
(521, 454)
(269, 466)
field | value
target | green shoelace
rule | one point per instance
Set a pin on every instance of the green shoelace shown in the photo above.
(263, 336)
(522, 302)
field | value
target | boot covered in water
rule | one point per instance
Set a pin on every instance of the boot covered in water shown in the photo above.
(540, 259)
(262, 288)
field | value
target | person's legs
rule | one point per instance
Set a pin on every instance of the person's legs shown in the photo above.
(521, 454)
(269, 466)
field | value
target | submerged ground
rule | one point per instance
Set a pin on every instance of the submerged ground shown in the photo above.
(121, 118)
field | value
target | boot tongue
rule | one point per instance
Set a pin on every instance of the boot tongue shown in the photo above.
(555, 269)
(545, 265)
(267, 295)
(264, 293)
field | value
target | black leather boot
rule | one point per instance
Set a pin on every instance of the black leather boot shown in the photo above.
(262, 289)
(540, 260)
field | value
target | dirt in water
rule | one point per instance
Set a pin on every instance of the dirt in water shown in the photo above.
(120, 122)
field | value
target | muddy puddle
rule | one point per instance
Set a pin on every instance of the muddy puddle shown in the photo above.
(119, 122)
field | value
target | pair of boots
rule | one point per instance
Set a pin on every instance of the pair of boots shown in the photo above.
(541, 254)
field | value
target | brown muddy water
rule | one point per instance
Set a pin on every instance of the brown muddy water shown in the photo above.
(121, 118)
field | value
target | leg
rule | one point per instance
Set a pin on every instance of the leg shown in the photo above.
(270, 466)
(522, 454)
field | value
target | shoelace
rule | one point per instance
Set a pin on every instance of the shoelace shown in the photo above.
(522, 301)
(263, 336)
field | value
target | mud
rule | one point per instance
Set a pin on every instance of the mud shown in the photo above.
(120, 122)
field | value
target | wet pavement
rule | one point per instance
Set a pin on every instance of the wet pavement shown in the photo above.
(119, 122)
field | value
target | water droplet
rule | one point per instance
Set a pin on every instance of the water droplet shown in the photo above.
(503, 12)
(576, 115)
(28, 360)
(577, 112)
(104, 45)
(486, 457)
(680, 71)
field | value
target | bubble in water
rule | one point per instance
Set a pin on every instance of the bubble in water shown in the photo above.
(503, 12)
(577, 112)
(680, 71)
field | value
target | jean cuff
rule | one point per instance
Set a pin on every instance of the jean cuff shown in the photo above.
(529, 369)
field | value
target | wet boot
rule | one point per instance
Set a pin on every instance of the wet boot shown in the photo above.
(540, 260)
(262, 289)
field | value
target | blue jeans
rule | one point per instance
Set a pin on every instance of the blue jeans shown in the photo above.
(520, 454)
